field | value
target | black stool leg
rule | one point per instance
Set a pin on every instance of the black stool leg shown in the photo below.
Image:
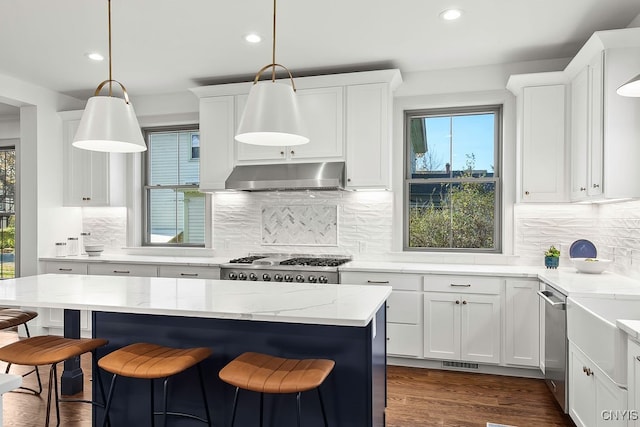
(55, 387)
(51, 381)
(165, 397)
(204, 395)
(324, 414)
(109, 399)
(151, 393)
(235, 405)
(261, 408)
(299, 415)
(26, 328)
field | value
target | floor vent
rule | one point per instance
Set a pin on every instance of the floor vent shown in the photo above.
(447, 364)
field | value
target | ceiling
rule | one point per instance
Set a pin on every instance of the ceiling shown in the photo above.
(166, 46)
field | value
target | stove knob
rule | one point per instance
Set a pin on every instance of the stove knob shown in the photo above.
(253, 276)
(266, 277)
(288, 278)
(277, 277)
(233, 276)
(242, 276)
(300, 278)
(323, 279)
(312, 279)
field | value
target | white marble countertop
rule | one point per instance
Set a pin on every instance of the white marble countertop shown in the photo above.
(326, 304)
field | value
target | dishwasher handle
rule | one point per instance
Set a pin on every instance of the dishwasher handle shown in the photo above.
(560, 305)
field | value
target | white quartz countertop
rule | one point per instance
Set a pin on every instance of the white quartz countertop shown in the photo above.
(325, 304)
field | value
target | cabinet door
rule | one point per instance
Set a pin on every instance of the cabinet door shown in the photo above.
(580, 112)
(217, 131)
(403, 340)
(368, 136)
(64, 267)
(521, 323)
(442, 325)
(596, 126)
(633, 382)
(403, 307)
(112, 269)
(480, 328)
(582, 390)
(543, 144)
(323, 114)
(611, 403)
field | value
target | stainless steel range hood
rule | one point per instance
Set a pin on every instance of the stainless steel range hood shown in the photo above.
(290, 176)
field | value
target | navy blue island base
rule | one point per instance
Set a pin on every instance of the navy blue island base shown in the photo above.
(354, 393)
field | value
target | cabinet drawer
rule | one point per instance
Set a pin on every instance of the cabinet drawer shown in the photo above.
(404, 307)
(110, 269)
(405, 282)
(188, 272)
(463, 284)
(404, 340)
(66, 267)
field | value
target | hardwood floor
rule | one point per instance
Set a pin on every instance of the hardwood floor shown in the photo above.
(416, 398)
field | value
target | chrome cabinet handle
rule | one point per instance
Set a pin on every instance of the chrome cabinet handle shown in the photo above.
(545, 296)
(587, 371)
(65, 269)
(378, 281)
(121, 271)
(189, 274)
(459, 286)
(583, 189)
(596, 185)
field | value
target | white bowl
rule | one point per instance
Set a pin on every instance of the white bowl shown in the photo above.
(591, 265)
(94, 248)
(93, 253)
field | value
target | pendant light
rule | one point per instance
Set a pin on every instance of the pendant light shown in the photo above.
(271, 116)
(630, 88)
(109, 123)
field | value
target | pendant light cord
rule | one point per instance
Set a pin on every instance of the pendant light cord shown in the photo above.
(273, 56)
(110, 78)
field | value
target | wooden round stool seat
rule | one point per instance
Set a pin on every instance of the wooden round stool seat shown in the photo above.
(263, 373)
(269, 374)
(142, 360)
(10, 317)
(47, 349)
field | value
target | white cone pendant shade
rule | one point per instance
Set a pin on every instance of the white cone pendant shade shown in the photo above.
(109, 124)
(630, 88)
(271, 116)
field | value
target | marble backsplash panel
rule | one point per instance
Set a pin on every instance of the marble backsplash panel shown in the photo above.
(304, 225)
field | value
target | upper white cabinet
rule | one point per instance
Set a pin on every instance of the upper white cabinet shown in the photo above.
(91, 178)
(348, 118)
(322, 109)
(541, 134)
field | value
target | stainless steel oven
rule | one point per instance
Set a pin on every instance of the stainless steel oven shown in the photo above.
(555, 343)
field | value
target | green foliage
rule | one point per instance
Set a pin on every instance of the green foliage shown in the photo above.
(552, 252)
(8, 238)
(460, 215)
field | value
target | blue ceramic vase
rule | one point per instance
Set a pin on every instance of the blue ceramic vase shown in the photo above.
(551, 261)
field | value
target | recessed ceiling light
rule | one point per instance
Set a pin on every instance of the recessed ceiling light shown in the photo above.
(253, 38)
(451, 14)
(95, 56)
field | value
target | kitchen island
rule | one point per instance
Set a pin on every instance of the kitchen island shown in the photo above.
(345, 323)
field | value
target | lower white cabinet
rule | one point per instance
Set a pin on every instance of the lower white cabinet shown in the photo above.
(594, 399)
(188, 272)
(54, 317)
(522, 326)
(461, 326)
(114, 269)
(404, 326)
(633, 383)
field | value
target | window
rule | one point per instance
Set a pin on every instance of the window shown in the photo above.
(452, 182)
(174, 208)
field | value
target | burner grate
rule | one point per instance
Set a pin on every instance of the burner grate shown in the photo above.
(315, 262)
(246, 260)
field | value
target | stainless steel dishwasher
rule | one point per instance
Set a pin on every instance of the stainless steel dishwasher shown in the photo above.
(555, 343)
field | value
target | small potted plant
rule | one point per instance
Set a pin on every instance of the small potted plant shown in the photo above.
(552, 257)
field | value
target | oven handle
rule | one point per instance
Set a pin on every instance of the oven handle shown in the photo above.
(560, 305)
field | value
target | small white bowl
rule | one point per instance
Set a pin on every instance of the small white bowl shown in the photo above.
(93, 253)
(591, 265)
(93, 248)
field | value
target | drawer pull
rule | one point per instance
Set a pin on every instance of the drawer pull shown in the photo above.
(378, 281)
(189, 274)
(457, 302)
(459, 286)
(65, 269)
(121, 271)
(464, 302)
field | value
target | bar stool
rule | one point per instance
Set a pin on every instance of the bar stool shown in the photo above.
(13, 317)
(262, 373)
(151, 361)
(49, 350)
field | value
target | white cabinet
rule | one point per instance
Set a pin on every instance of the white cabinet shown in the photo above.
(91, 178)
(542, 144)
(54, 317)
(322, 110)
(187, 272)
(594, 399)
(587, 131)
(217, 130)
(521, 322)
(404, 306)
(633, 383)
(115, 269)
(369, 136)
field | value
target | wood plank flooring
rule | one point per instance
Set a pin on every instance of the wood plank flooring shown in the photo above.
(416, 398)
